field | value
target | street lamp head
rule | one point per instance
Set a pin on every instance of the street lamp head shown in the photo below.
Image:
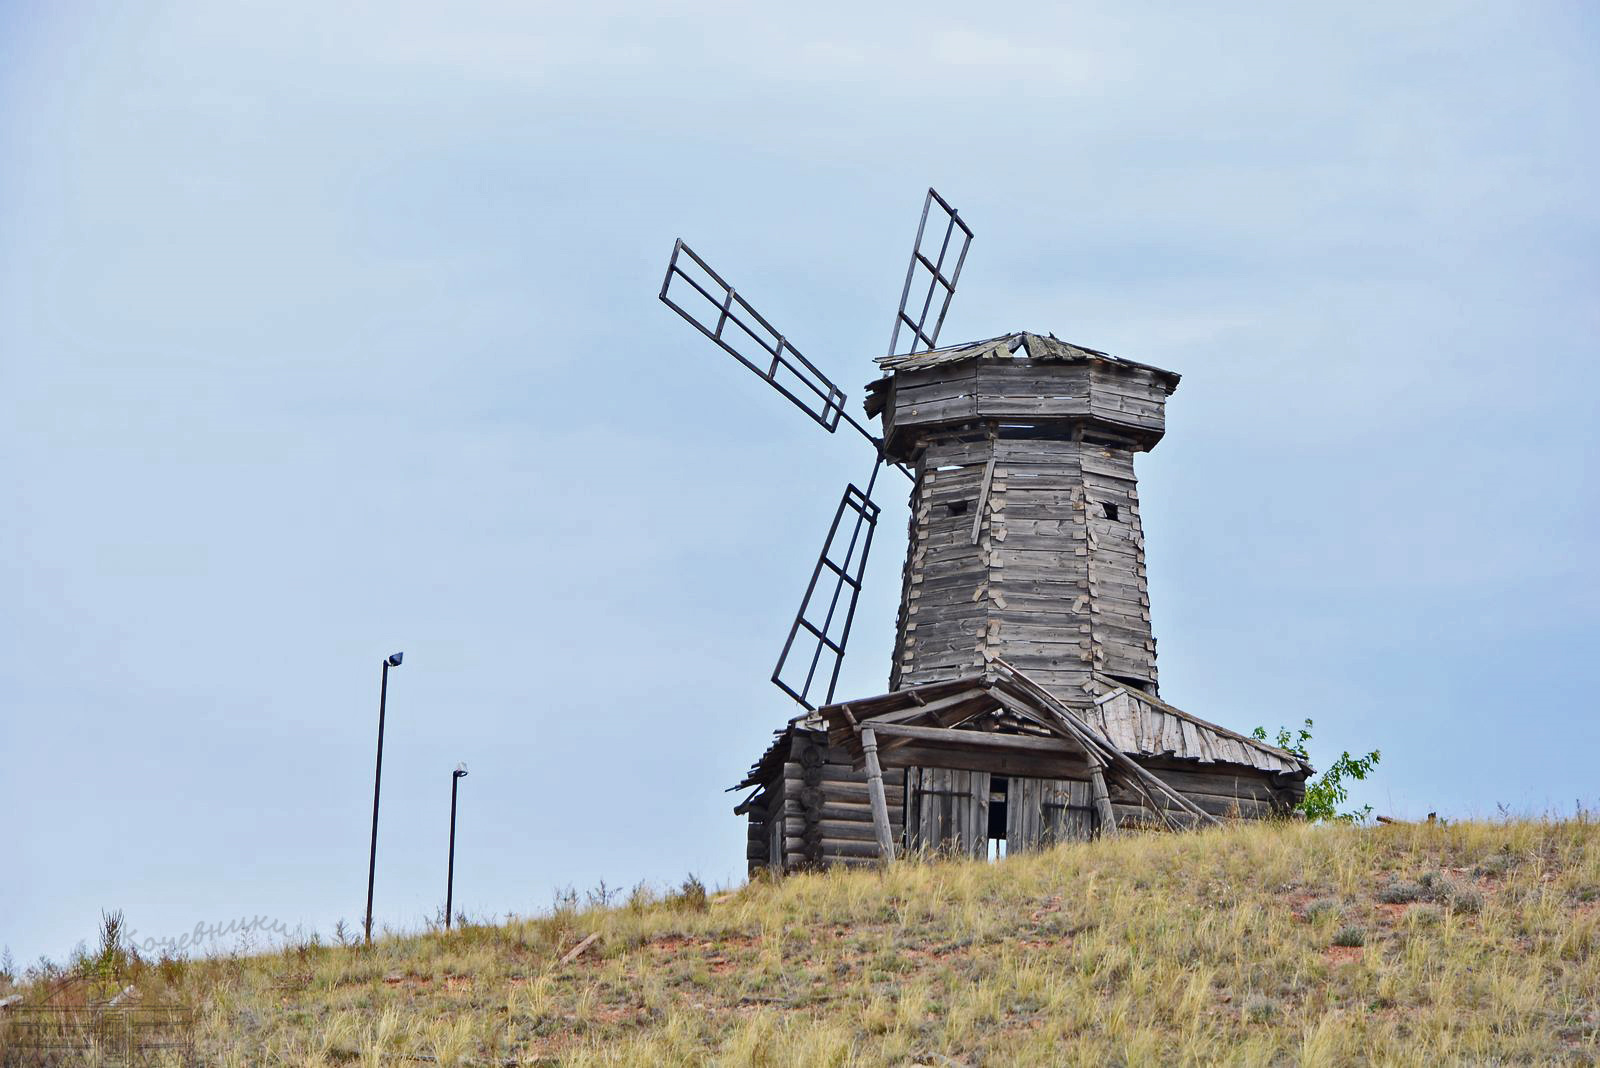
(394, 659)
(461, 771)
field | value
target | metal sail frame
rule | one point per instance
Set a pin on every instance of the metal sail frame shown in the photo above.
(781, 363)
(847, 574)
(936, 277)
(813, 652)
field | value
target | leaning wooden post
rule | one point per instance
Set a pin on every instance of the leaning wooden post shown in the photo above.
(1102, 798)
(880, 805)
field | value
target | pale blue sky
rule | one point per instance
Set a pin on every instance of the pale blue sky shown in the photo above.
(327, 333)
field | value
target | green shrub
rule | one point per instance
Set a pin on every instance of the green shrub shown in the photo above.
(1350, 936)
(1259, 1009)
(1425, 915)
(691, 896)
(1498, 864)
(1322, 906)
(1402, 893)
(1328, 791)
(1465, 899)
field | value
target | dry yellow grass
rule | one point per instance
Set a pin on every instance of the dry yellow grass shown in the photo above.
(1251, 945)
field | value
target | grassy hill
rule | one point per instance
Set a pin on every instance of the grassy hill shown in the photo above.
(1287, 944)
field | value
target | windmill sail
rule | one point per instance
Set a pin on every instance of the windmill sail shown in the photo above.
(814, 651)
(729, 320)
(916, 305)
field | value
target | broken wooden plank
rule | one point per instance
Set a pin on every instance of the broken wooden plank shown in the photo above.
(880, 809)
(576, 951)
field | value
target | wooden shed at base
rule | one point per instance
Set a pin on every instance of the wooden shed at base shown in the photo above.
(967, 764)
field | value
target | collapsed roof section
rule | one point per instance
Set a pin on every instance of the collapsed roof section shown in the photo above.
(1002, 721)
(1144, 726)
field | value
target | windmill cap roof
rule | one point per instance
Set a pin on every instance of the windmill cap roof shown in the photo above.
(1019, 346)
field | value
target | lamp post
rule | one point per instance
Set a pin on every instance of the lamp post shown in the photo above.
(392, 660)
(450, 876)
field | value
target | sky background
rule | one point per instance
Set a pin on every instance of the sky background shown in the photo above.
(331, 330)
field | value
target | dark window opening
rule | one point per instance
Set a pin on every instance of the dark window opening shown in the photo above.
(996, 833)
(957, 507)
(1141, 685)
(1110, 510)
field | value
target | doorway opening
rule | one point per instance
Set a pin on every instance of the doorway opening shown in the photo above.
(998, 791)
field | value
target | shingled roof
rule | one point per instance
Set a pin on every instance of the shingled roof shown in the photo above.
(1145, 726)
(1018, 346)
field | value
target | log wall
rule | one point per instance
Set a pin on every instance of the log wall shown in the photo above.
(1054, 580)
(1121, 398)
(818, 812)
(1025, 538)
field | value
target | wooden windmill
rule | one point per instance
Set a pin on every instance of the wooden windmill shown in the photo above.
(1023, 704)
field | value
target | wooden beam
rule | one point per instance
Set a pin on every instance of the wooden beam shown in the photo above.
(844, 830)
(931, 708)
(983, 494)
(996, 762)
(880, 807)
(959, 739)
(1105, 817)
(1072, 725)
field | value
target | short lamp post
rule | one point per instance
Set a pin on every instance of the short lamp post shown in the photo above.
(450, 871)
(392, 660)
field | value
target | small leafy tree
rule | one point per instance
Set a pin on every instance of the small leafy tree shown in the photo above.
(1328, 791)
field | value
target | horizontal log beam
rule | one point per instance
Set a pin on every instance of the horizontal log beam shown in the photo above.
(794, 849)
(981, 740)
(1034, 766)
(844, 829)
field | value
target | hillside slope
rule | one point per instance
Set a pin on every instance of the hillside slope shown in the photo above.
(1249, 945)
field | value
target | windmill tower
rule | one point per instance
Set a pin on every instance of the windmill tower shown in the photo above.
(1023, 705)
(1025, 539)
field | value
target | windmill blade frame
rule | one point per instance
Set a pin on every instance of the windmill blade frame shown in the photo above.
(936, 277)
(732, 321)
(819, 633)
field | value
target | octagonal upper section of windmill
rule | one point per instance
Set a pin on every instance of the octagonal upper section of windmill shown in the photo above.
(1020, 384)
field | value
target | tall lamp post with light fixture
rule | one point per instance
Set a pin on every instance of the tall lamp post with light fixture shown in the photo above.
(450, 874)
(392, 660)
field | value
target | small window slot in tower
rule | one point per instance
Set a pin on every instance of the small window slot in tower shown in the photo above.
(1109, 510)
(957, 507)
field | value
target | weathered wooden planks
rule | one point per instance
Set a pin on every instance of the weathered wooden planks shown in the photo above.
(880, 808)
(974, 760)
(1025, 544)
(1109, 397)
(820, 809)
(1043, 812)
(852, 830)
(1045, 536)
(937, 737)
(948, 810)
(955, 579)
(827, 850)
